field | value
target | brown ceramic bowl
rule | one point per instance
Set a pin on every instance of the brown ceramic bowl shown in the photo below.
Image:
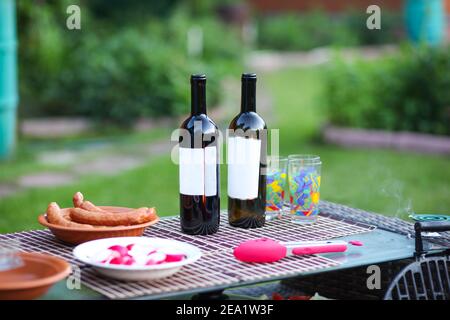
(33, 279)
(79, 235)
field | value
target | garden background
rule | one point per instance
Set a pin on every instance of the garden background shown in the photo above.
(98, 105)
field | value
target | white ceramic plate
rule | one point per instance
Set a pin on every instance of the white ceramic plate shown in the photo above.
(86, 253)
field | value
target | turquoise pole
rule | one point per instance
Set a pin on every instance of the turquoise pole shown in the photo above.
(8, 77)
(425, 21)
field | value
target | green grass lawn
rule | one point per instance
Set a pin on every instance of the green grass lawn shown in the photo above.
(155, 184)
(389, 182)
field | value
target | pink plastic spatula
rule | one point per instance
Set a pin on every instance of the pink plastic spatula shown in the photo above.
(268, 250)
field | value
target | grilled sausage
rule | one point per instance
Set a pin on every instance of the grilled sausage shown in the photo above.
(133, 217)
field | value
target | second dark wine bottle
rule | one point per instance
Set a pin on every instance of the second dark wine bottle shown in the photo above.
(247, 151)
(199, 166)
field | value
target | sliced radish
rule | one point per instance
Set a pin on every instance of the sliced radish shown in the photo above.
(123, 251)
(156, 258)
(104, 256)
(116, 260)
(174, 257)
(139, 254)
(128, 260)
(172, 254)
(123, 260)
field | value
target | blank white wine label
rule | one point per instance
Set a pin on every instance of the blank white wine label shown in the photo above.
(198, 171)
(210, 171)
(243, 167)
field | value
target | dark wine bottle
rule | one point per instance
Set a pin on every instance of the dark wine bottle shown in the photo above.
(199, 166)
(247, 151)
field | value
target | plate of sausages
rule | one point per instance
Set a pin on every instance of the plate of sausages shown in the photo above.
(85, 221)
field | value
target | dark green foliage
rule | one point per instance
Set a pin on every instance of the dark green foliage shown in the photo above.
(117, 70)
(407, 92)
(316, 28)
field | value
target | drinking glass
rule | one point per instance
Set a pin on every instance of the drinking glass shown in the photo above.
(276, 182)
(304, 187)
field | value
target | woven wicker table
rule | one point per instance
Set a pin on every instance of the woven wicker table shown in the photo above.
(387, 243)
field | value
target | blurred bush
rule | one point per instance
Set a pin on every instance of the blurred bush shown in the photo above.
(317, 28)
(406, 92)
(113, 69)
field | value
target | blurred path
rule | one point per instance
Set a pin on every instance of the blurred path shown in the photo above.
(271, 61)
(71, 166)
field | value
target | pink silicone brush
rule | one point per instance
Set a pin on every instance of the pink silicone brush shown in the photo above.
(268, 250)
